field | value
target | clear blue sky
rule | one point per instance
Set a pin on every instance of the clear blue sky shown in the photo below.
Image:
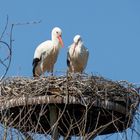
(110, 30)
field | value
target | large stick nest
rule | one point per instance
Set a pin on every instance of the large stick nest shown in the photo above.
(90, 92)
(79, 86)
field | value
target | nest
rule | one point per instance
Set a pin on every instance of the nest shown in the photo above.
(98, 104)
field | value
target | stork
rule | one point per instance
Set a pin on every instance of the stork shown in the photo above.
(46, 53)
(77, 56)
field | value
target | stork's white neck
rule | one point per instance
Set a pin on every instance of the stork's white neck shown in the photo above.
(55, 42)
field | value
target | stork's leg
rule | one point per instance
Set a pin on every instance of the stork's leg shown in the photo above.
(72, 69)
(67, 74)
(52, 73)
(43, 74)
(42, 70)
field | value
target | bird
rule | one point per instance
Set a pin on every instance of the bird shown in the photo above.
(45, 55)
(77, 56)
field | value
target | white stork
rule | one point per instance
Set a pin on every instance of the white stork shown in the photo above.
(77, 56)
(46, 53)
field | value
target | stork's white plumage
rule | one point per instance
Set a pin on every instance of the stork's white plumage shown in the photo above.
(46, 53)
(77, 56)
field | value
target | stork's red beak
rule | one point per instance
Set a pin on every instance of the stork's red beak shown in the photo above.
(60, 41)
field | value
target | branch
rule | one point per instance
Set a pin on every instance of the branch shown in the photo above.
(6, 62)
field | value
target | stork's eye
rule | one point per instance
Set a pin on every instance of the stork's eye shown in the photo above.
(57, 32)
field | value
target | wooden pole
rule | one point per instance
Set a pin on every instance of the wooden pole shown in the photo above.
(53, 122)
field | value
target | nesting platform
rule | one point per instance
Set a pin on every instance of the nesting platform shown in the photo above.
(87, 105)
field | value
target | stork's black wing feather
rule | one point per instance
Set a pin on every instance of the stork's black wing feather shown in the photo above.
(68, 59)
(35, 62)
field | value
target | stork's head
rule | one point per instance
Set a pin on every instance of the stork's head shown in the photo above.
(76, 39)
(56, 34)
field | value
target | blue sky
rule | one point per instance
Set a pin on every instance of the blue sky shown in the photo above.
(110, 30)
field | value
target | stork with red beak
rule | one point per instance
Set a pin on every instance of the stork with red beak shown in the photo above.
(46, 53)
(77, 56)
